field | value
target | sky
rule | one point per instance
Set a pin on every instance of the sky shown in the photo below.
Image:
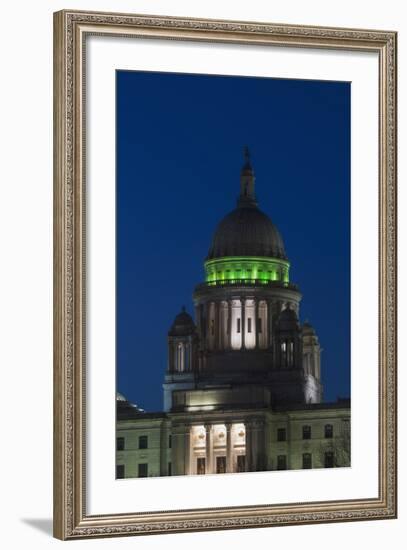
(180, 142)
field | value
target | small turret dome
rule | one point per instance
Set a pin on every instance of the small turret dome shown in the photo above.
(183, 325)
(308, 329)
(287, 320)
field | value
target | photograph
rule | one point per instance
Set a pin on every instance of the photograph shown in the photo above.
(224, 274)
(233, 213)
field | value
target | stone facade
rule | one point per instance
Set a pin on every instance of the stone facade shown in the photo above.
(314, 436)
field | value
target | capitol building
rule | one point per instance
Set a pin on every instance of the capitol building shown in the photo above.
(242, 391)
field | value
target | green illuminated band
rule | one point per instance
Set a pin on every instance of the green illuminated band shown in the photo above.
(247, 268)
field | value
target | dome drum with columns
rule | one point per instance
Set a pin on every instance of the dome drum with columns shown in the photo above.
(246, 328)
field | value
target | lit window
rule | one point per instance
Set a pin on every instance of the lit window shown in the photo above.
(120, 444)
(306, 461)
(283, 347)
(281, 434)
(329, 431)
(120, 471)
(143, 470)
(306, 432)
(282, 462)
(143, 442)
(249, 324)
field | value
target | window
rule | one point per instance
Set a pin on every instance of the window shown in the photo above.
(238, 325)
(169, 468)
(120, 444)
(241, 463)
(329, 459)
(306, 432)
(200, 465)
(221, 464)
(249, 324)
(143, 442)
(180, 359)
(329, 431)
(170, 441)
(259, 325)
(282, 462)
(281, 434)
(143, 470)
(306, 461)
(119, 471)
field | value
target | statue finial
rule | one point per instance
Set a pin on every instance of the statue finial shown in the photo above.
(247, 197)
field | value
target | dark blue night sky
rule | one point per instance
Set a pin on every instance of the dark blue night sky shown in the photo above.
(179, 154)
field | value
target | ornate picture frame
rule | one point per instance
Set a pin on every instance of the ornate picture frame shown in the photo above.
(71, 517)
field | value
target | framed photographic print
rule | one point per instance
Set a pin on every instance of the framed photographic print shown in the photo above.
(225, 274)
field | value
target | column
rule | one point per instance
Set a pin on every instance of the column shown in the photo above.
(206, 325)
(170, 357)
(229, 454)
(187, 356)
(269, 323)
(208, 444)
(187, 450)
(258, 445)
(242, 321)
(249, 445)
(202, 334)
(198, 319)
(221, 343)
(217, 326)
(261, 448)
(163, 449)
(229, 331)
(256, 321)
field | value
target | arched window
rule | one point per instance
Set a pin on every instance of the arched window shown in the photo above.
(291, 354)
(180, 357)
(284, 353)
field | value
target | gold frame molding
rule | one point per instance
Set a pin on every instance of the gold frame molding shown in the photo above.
(70, 31)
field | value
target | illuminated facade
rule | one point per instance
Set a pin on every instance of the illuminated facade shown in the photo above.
(242, 391)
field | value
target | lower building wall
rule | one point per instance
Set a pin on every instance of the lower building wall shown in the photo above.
(314, 435)
(146, 451)
(309, 438)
